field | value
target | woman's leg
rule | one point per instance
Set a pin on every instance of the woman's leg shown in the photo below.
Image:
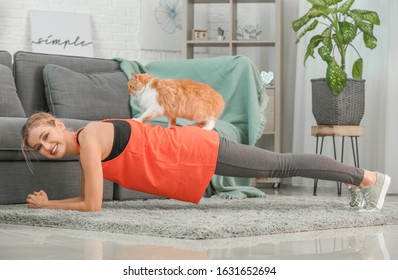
(239, 160)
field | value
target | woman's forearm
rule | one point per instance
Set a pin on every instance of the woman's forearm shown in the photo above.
(40, 200)
(75, 203)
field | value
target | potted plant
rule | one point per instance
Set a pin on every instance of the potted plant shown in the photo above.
(342, 25)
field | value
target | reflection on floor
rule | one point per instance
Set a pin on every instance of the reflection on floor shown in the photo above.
(25, 243)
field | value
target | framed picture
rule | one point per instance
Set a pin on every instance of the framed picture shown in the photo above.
(61, 33)
(161, 25)
(199, 35)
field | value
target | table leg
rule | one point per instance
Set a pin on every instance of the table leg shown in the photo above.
(316, 152)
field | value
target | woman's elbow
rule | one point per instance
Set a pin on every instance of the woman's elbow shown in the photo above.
(92, 207)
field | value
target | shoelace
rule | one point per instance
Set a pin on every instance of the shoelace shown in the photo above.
(356, 196)
(366, 197)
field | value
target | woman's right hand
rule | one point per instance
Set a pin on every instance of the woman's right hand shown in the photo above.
(37, 199)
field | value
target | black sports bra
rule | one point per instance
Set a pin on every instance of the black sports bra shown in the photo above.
(122, 131)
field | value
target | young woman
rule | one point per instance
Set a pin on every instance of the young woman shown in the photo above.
(175, 162)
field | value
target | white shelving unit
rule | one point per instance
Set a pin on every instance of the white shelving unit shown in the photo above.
(272, 137)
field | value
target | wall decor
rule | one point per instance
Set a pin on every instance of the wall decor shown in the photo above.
(248, 32)
(61, 33)
(161, 25)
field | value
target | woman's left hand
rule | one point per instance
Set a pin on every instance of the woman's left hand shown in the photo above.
(37, 199)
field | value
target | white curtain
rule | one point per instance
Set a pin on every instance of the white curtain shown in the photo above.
(379, 145)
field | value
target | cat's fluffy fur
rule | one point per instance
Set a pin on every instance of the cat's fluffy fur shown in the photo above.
(176, 98)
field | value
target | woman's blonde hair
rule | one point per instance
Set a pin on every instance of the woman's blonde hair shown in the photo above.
(33, 121)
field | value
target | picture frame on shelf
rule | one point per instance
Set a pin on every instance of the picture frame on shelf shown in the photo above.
(199, 35)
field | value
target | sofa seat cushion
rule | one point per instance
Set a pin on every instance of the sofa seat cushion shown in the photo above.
(10, 142)
(10, 105)
(85, 96)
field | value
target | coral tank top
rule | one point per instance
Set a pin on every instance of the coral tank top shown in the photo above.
(176, 162)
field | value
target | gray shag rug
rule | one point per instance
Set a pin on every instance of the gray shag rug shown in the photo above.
(211, 219)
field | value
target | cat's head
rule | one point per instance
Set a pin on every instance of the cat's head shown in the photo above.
(138, 82)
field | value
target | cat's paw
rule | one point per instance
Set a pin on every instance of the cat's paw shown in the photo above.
(209, 125)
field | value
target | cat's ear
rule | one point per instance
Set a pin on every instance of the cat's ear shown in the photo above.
(134, 76)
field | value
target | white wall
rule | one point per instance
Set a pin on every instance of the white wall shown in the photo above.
(115, 26)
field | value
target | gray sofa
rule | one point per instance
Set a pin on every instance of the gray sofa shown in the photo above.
(33, 82)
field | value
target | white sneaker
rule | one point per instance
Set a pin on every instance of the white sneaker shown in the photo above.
(356, 197)
(374, 196)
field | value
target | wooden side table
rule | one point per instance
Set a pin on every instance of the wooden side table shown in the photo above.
(351, 131)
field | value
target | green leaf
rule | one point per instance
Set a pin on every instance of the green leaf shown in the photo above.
(332, 2)
(324, 53)
(314, 12)
(349, 31)
(335, 77)
(370, 41)
(314, 42)
(369, 16)
(310, 27)
(324, 3)
(298, 23)
(327, 38)
(357, 69)
(338, 39)
(366, 27)
(346, 6)
(318, 3)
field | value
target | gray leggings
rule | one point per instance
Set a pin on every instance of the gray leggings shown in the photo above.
(238, 160)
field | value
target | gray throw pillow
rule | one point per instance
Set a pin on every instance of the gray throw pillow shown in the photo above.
(85, 96)
(10, 105)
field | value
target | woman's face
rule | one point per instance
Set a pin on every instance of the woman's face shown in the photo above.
(48, 140)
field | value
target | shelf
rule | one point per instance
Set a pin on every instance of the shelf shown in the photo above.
(248, 43)
(237, 43)
(209, 43)
(253, 1)
(228, 1)
(254, 43)
(209, 1)
(267, 50)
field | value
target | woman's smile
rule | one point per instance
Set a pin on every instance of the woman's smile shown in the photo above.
(49, 141)
(54, 149)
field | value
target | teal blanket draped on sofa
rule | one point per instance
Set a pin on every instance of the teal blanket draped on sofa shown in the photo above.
(238, 80)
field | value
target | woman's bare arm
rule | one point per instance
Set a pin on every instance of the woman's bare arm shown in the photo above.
(90, 199)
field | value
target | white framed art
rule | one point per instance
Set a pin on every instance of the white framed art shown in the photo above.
(61, 33)
(161, 25)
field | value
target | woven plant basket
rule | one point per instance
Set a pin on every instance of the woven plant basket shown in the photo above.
(347, 108)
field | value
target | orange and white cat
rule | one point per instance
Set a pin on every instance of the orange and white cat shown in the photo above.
(176, 98)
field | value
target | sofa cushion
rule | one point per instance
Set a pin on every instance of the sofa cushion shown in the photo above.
(10, 105)
(85, 96)
(28, 73)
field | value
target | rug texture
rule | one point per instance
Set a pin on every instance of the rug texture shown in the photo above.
(211, 219)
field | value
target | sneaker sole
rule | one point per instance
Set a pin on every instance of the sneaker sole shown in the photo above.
(383, 193)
